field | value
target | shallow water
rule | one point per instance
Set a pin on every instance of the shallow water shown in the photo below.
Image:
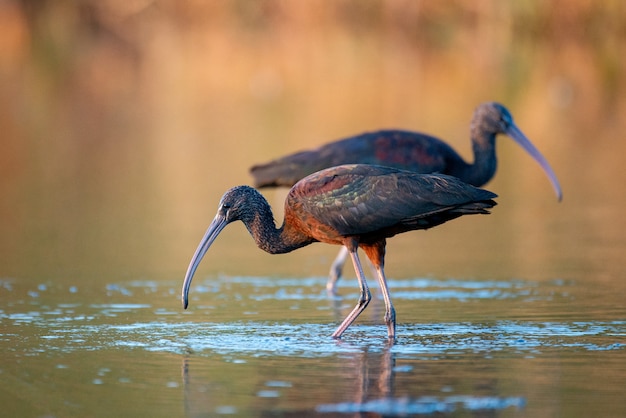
(260, 346)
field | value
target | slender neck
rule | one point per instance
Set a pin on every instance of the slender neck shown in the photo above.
(485, 162)
(260, 223)
(484, 166)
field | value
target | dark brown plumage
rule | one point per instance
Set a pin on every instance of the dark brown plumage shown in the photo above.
(357, 206)
(411, 151)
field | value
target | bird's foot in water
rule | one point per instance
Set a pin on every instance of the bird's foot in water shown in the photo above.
(333, 277)
(390, 321)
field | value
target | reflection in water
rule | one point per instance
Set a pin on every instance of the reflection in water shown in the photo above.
(371, 373)
(124, 341)
(130, 314)
(425, 405)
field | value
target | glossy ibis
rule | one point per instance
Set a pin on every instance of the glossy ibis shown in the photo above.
(411, 151)
(350, 205)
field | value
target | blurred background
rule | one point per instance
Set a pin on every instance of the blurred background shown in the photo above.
(122, 122)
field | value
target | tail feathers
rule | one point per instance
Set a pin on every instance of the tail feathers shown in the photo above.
(284, 172)
(269, 175)
(480, 207)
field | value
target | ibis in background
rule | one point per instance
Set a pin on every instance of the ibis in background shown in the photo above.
(413, 151)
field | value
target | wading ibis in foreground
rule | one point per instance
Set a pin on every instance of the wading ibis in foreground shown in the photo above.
(351, 205)
(406, 150)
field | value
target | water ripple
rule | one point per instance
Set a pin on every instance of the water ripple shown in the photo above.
(312, 340)
(423, 405)
(72, 324)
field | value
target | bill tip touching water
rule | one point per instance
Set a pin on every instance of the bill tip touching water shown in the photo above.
(357, 206)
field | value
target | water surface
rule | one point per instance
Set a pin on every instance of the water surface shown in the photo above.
(252, 344)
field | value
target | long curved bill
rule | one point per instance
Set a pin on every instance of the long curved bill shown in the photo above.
(218, 223)
(519, 137)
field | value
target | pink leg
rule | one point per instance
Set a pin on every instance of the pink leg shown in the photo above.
(335, 271)
(364, 297)
(376, 254)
